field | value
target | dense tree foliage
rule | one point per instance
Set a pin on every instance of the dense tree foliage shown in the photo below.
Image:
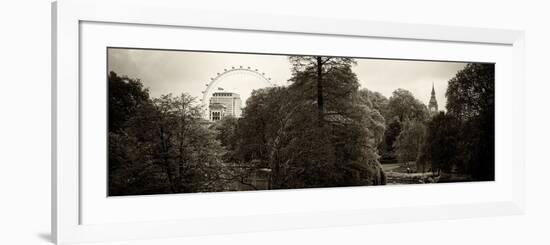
(404, 106)
(409, 142)
(386, 147)
(440, 148)
(471, 100)
(322, 72)
(126, 96)
(470, 94)
(226, 134)
(162, 146)
(184, 148)
(401, 108)
(377, 101)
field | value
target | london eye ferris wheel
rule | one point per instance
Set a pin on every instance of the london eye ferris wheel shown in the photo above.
(241, 80)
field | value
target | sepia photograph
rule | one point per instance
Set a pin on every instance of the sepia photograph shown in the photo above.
(190, 121)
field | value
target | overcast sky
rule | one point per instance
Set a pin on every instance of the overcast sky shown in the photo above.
(175, 72)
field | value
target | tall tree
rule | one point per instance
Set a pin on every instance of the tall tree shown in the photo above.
(317, 69)
(403, 105)
(386, 147)
(471, 92)
(125, 97)
(378, 102)
(441, 146)
(409, 142)
(268, 125)
(129, 167)
(186, 150)
(471, 99)
(226, 134)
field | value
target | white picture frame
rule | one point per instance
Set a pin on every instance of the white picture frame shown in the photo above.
(67, 196)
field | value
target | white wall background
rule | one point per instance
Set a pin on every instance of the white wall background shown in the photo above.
(25, 122)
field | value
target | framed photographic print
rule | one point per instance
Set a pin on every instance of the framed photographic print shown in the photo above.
(171, 122)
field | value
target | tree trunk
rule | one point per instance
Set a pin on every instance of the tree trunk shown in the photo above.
(179, 178)
(320, 103)
(164, 153)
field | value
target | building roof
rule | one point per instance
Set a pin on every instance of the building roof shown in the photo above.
(226, 94)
